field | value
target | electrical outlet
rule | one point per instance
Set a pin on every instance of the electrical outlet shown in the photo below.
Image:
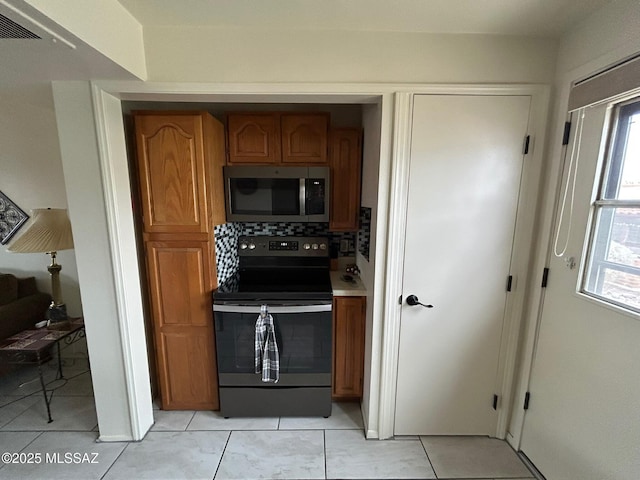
(344, 245)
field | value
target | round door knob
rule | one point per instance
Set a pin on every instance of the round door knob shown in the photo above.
(412, 300)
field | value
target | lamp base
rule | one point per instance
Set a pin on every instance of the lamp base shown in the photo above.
(57, 313)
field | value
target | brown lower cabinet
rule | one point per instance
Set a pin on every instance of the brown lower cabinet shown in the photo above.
(180, 284)
(349, 315)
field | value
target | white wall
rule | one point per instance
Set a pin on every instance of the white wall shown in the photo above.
(176, 54)
(179, 55)
(595, 435)
(31, 176)
(118, 415)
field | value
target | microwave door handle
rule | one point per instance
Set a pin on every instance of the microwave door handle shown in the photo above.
(303, 196)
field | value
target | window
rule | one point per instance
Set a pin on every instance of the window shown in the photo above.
(613, 268)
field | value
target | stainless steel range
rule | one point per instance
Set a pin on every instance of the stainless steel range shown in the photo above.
(289, 276)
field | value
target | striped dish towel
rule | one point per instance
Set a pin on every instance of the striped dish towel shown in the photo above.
(267, 356)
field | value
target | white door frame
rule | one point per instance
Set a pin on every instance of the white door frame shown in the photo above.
(523, 244)
(392, 198)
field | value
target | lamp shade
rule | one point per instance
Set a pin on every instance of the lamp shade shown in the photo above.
(49, 231)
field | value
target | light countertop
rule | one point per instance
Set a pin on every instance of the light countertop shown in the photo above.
(341, 288)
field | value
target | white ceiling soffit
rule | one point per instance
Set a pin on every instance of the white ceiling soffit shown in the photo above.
(543, 18)
(35, 50)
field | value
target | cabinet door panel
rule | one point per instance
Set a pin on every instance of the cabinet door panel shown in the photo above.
(349, 331)
(178, 280)
(254, 138)
(188, 382)
(304, 138)
(171, 171)
(181, 277)
(346, 164)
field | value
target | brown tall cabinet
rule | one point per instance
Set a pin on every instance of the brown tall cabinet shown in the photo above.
(345, 159)
(179, 158)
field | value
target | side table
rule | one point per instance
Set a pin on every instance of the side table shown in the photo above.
(34, 347)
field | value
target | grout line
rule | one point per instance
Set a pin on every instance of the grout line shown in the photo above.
(324, 449)
(115, 460)
(222, 454)
(427, 454)
(193, 415)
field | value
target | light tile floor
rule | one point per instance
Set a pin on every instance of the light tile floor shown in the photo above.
(203, 445)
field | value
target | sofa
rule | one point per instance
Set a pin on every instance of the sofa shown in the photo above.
(21, 304)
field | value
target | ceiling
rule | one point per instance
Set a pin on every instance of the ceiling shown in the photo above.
(541, 18)
(31, 63)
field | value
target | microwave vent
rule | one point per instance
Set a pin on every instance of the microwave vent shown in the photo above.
(10, 29)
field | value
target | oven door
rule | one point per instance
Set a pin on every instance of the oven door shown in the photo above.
(303, 335)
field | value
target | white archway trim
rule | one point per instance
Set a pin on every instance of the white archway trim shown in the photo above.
(115, 179)
(393, 195)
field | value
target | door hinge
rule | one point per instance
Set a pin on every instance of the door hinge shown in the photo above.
(567, 132)
(509, 283)
(527, 396)
(495, 402)
(527, 139)
(545, 277)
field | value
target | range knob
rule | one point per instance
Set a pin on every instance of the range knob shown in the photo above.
(314, 246)
(252, 246)
(243, 246)
(306, 246)
(323, 246)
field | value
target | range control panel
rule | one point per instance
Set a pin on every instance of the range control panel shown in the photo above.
(283, 246)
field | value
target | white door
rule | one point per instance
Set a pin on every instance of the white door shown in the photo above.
(465, 174)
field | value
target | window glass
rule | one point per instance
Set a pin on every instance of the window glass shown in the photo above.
(613, 272)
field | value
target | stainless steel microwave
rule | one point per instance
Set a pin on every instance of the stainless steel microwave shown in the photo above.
(277, 194)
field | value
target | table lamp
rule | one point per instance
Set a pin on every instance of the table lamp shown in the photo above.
(48, 232)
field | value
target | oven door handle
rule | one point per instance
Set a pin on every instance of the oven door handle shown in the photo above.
(273, 309)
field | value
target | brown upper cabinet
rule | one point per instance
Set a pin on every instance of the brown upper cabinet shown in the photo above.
(275, 138)
(304, 137)
(345, 159)
(253, 138)
(180, 158)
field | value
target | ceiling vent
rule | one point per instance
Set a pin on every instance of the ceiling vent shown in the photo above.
(10, 29)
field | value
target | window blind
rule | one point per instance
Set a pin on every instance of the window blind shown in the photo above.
(615, 81)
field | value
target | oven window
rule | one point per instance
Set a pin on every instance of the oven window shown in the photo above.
(304, 342)
(265, 196)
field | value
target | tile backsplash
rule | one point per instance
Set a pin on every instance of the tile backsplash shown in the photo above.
(364, 234)
(226, 236)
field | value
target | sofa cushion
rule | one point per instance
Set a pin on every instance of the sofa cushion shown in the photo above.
(8, 288)
(23, 314)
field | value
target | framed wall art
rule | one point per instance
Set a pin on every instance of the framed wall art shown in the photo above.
(11, 218)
